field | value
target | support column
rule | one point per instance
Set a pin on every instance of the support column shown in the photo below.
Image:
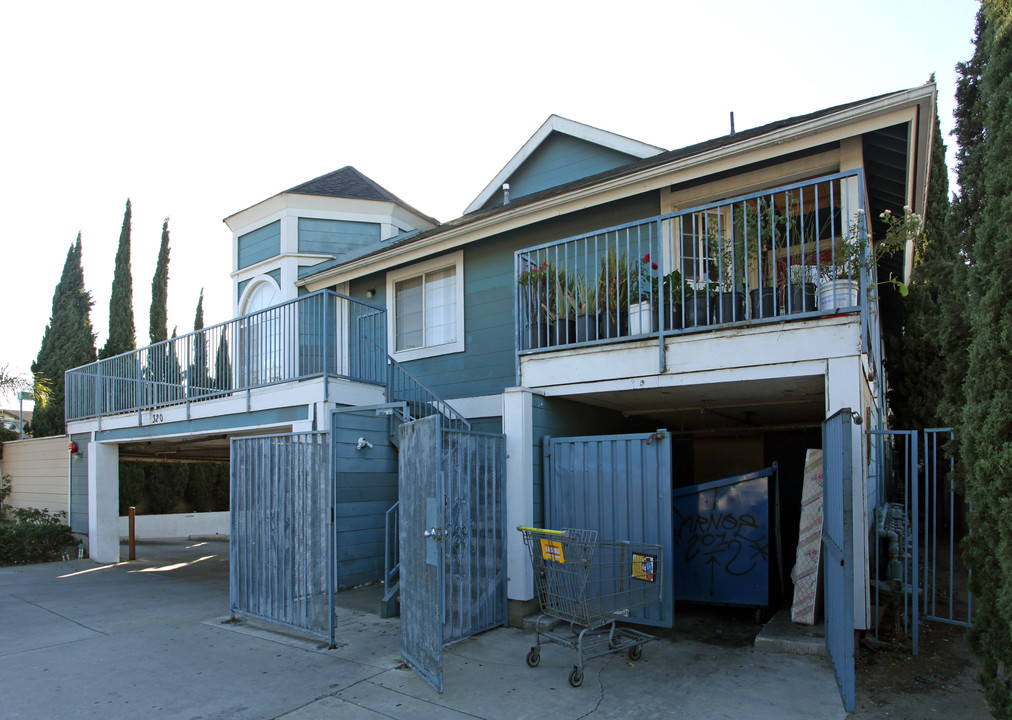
(103, 502)
(518, 426)
(845, 387)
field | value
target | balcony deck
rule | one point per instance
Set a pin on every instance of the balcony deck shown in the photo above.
(792, 255)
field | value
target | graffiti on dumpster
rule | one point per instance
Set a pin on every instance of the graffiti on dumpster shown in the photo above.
(724, 541)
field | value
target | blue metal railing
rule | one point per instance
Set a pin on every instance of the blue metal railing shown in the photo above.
(788, 252)
(323, 334)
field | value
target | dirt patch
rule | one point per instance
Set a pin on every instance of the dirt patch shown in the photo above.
(940, 682)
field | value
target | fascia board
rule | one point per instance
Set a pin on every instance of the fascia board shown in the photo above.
(568, 127)
(886, 111)
(289, 204)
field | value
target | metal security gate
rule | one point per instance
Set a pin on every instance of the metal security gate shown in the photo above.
(620, 486)
(838, 549)
(282, 545)
(920, 522)
(452, 541)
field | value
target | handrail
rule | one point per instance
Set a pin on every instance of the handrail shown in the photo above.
(318, 335)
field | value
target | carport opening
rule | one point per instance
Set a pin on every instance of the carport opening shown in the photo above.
(713, 437)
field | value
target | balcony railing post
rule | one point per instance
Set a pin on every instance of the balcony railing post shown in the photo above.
(98, 392)
(326, 347)
(186, 373)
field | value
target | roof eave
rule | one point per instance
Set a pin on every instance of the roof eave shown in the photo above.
(923, 96)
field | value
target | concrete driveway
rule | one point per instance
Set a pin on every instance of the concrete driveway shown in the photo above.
(146, 639)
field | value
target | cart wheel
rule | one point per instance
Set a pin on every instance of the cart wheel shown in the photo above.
(576, 677)
(534, 657)
(635, 652)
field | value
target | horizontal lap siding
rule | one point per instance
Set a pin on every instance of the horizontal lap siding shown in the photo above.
(339, 238)
(260, 244)
(366, 488)
(488, 363)
(560, 159)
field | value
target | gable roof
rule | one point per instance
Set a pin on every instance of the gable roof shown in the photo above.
(555, 123)
(348, 182)
(654, 165)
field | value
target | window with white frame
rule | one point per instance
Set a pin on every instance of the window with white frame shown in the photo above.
(425, 303)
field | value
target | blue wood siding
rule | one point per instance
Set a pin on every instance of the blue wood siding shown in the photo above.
(260, 244)
(488, 363)
(366, 488)
(79, 485)
(558, 417)
(558, 160)
(340, 238)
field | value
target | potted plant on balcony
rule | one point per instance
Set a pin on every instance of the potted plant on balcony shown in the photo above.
(841, 276)
(799, 288)
(536, 286)
(613, 294)
(586, 310)
(670, 293)
(765, 235)
(730, 306)
(699, 300)
(563, 316)
(645, 293)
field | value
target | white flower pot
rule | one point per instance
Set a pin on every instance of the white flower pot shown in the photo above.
(640, 318)
(837, 294)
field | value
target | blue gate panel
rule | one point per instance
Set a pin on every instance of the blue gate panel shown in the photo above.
(619, 486)
(726, 540)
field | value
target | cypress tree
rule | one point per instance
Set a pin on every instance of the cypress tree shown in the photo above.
(121, 305)
(198, 377)
(68, 342)
(158, 323)
(915, 356)
(986, 428)
(222, 366)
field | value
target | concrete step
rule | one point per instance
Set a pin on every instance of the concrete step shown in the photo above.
(780, 635)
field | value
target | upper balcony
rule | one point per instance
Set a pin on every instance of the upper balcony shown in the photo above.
(791, 253)
(323, 335)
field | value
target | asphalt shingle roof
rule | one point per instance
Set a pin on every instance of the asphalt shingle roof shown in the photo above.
(348, 182)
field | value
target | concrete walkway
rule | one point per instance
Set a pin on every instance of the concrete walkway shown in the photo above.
(145, 639)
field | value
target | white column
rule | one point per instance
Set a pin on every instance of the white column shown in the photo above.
(103, 502)
(518, 426)
(844, 388)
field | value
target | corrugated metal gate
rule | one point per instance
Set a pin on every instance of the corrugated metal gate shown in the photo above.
(282, 545)
(838, 549)
(452, 511)
(620, 486)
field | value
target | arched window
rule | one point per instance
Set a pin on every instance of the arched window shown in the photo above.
(262, 337)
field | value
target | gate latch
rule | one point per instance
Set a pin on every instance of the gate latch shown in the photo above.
(433, 533)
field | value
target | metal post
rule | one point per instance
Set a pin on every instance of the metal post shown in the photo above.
(133, 533)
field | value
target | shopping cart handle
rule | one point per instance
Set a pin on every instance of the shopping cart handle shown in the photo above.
(523, 528)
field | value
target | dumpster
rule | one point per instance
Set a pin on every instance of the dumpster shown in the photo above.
(727, 541)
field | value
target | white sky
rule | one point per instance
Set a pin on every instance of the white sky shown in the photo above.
(195, 110)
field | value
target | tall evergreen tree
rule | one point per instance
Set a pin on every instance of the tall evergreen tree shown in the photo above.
(122, 337)
(158, 323)
(67, 343)
(986, 428)
(198, 377)
(222, 366)
(915, 356)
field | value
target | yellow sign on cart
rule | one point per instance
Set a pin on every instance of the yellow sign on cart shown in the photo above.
(552, 550)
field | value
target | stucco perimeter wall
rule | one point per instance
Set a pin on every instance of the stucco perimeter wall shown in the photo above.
(176, 525)
(40, 473)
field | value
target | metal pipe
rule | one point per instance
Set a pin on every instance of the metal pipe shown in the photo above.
(133, 533)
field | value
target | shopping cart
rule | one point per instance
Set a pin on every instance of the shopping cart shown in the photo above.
(590, 584)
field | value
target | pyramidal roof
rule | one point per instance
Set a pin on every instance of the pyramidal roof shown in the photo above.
(348, 182)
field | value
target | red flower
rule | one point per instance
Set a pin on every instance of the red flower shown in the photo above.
(646, 259)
